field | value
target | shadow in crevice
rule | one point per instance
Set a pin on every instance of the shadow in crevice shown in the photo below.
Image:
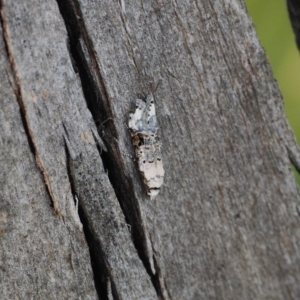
(99, 268)
(80, 49)
(85, 64)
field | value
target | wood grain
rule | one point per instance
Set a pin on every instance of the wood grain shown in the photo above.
(225, 225)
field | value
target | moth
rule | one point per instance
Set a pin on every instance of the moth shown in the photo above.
(144, 127)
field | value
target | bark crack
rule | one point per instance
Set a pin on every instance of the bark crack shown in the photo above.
(102, 276)
(158, 281)
(84, 57)
(18, 90)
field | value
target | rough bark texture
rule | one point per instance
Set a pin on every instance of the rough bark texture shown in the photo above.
(75, 220)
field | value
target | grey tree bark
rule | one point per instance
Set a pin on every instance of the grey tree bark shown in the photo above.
(75, 219)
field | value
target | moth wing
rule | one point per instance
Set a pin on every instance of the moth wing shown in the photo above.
(151, 167)
(136, 119)
(149, 116)
(140, 106)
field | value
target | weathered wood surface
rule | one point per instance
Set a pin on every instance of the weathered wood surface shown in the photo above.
(225, 224)
(42, 255)
(50, 259)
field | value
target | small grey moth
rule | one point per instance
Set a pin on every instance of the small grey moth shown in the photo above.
(143, 126)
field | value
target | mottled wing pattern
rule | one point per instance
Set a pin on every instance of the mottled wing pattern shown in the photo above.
(149, 116)
(136, 123)
(144, 127)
